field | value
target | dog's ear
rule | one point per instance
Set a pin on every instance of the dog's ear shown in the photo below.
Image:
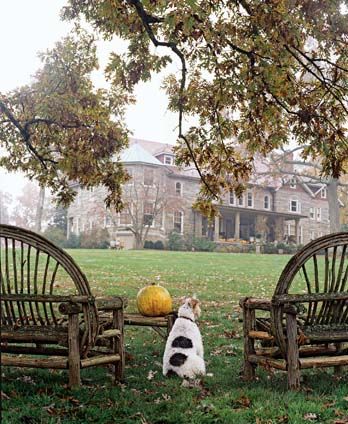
(182, 300)
(194, 302)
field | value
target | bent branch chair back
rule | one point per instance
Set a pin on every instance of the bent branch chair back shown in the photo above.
(308, 313)
(47, 308)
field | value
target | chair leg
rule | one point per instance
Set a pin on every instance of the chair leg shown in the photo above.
(293, 364)
(74, 351)
(249, 343)
(118, 345)
(339, 369)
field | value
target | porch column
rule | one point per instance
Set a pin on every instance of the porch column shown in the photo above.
(297, 230)
(237, 225)
(216, 228)
(198, 224)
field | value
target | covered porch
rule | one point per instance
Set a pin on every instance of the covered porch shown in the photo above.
(235, 223)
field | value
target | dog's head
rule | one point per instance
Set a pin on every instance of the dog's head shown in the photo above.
(190, 308)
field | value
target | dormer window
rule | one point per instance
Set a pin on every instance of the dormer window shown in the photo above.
(323, 193)
(168, 160)
(293, 183)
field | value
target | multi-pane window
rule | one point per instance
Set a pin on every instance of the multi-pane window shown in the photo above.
(178, 221)
(294, 205)
(323, 193)
(148, 177)
(232, 198)
(293, 183)
(108, 221)
(318, 214)
(168, 160)
(148, 213)
(178, 188)
(266, 202)
(125, 217)
(241, 200)
(71, 225)
(311, 213)
(250, 199)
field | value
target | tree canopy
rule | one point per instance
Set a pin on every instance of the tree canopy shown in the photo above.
(257, 73)
(59, 128)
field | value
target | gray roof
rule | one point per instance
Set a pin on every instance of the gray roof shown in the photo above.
(136, 153)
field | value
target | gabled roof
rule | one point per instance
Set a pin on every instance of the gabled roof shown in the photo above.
(136, 153)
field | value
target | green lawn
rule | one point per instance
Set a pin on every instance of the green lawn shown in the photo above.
(219, 280)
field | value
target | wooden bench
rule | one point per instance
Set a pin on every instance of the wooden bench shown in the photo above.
(47, 308)
(162, 325)
(307, 323)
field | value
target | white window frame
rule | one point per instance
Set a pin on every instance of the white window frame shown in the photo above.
(181, 221)
(318, 214)
(71, 224)
(298, 206)
(250, 196)
(311, 234)
(233, 197)
(266, 196)
(323, 193)
(239, 199)
(300, 240)
(129, 214)
(312, 213)
(293, 183)
(106, 223)
(153, 214)
(171, 159)
(176, 189)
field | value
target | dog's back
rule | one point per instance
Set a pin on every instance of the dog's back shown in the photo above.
(183, 354)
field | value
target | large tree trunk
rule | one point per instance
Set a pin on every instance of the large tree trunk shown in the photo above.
(334, 212)
(39, 210)
(139, 242)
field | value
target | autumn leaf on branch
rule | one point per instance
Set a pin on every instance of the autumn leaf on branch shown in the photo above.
(59, 128)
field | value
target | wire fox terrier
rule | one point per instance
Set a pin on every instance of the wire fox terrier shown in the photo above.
(183, 355)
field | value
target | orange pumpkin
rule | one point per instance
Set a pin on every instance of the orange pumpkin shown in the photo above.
(154, 301)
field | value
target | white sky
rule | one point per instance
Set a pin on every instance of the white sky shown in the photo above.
(30, 26)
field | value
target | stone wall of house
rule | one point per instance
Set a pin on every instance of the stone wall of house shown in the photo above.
(88, 210)
(315, 208)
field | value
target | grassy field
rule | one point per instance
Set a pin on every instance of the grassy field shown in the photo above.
(219, 280)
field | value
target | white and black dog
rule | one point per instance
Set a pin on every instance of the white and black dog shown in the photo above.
(183, 355)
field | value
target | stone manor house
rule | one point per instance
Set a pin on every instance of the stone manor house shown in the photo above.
(159, 199)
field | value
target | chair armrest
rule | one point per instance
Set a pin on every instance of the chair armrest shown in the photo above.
(110, 303)
(255, 303)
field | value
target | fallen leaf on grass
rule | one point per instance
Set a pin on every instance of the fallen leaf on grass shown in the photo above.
(342, 420)
(243, 402)
(231, 334)
(311, 416)
(151, 375)
(4, 396)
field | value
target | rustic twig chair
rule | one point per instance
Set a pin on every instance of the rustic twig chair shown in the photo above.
(307, 323)
(47, 309)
